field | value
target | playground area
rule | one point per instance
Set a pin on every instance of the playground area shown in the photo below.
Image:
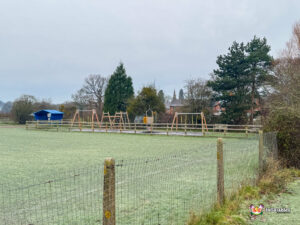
(182, 124)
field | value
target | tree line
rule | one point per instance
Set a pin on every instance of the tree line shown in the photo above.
(243, 84)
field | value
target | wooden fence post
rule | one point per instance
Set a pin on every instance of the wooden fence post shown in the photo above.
(134, 127)
(220, 172)
(109, 207)
(247, 131)
(261, 151)
(26, 125)
(167, 129)
(185, 129)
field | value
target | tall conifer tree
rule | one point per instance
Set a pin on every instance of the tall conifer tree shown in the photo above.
(119, 90)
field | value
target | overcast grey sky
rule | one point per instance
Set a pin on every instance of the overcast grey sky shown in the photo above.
(48, 47)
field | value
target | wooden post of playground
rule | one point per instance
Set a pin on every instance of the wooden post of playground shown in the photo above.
(176, 122)
(109, 205)
(220, 172)
(106, 127)
(93, 114)
(167, 129)
(261, 151)
(202, 123)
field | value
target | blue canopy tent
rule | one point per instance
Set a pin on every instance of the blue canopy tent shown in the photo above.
(48, 114)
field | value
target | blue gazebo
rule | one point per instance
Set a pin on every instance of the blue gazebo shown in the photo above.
(48, 114)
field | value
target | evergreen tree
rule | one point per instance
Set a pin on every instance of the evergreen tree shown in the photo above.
(119, 90)
(230, 83)
(259, 65)
(181, 96)
(161, 96)
(147, 98)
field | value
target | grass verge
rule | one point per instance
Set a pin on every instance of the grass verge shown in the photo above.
(273, 182)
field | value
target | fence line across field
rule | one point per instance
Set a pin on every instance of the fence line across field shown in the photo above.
(155, 128)
(160, 189)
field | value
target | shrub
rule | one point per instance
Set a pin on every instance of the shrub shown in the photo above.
(287, 124)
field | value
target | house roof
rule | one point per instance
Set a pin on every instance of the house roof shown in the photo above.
(52, 111)
(176, 102)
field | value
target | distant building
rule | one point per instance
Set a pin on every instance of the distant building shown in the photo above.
(217, 109)
(48, 114)
(176, 105)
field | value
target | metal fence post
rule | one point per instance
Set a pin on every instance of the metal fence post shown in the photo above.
(261, 151)
(109, 207)
(220, 172)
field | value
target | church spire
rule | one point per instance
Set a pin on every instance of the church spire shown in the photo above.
(174, 95)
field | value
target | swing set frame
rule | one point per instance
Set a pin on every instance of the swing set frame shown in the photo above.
(112, 119)
(94, 117)
(181, 115)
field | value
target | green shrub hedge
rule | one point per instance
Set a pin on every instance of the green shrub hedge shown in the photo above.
(287, 124)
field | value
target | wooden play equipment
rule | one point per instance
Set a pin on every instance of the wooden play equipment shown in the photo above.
(185, 116)
(120, 120)
(91, 119)
(106, 118)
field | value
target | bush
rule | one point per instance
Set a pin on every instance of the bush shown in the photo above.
(287, 124)
(22, 109)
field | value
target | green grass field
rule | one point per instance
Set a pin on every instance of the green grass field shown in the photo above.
(159, 179)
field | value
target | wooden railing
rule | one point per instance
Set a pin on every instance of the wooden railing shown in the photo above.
(154, 128)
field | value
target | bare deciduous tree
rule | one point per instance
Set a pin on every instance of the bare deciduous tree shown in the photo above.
(198, 95)
(92, 92)
(286, 92)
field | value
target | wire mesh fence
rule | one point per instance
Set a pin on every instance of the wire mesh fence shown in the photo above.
(73, 197)
(162, 189)
(270, 145)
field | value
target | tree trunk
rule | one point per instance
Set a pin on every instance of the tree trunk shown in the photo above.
(252, 102)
